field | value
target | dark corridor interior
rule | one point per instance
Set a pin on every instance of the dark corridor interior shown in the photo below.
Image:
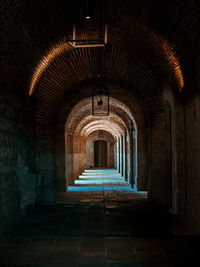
(99, 133)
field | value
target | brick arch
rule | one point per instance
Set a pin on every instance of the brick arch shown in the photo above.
(117, 113)
(46, 152)
(84, 126)
(145, 112)
(139, 80)
(103, 124)
(79, 117)
(164, 62)
(103, 128)
(62, 75)
(80, 124)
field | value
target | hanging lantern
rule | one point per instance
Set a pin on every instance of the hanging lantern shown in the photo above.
(89, 28)
(100, 101)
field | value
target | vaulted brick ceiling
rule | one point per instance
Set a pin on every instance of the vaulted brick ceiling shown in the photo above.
(80, 122)
(147, 41)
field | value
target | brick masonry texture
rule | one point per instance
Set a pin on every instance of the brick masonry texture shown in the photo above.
(152, 51)
(14, 152)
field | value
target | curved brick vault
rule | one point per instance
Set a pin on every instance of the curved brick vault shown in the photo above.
(155, 47)
(138, 23)
(151, 58)
(80, 117)
(164, 55)
(52, 124)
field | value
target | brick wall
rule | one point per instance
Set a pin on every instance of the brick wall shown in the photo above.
(16, 153)
(192, 158)
(185, 155)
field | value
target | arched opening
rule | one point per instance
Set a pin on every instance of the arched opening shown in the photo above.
(101, 141)
(133, 155)
(100, 149)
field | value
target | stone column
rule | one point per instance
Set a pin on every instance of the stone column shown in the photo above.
(115, 154)
(122, 155)
(69, 163)
(61, 185)
(135, 158)
(131, 156)
(119, 161)
(125, 156)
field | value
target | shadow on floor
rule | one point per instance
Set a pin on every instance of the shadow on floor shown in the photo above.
(75, 235)
(113, 227)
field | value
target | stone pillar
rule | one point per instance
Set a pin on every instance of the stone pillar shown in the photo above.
(115, 154)
(119, 160)
(125, 156)
(122, 155)
(131, 156)
(69, 164)
(135, 158)
(76, 157)
(46, 168)
(83, 155)
(61, 185)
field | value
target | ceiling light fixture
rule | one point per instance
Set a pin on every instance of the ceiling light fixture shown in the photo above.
(89, 28)
(100, 100)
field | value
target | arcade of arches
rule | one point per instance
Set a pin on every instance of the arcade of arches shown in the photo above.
(49, 135)
(84, 146)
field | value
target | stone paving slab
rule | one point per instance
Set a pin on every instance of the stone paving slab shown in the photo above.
(113, 229)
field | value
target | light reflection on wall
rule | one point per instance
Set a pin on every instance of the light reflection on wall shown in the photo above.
(157, 42)
(174, 62)
(52, 54)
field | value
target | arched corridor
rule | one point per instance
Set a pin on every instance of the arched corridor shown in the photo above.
(99, 133)
(100, 141)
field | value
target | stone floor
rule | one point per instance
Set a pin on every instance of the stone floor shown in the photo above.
(102, 188)
(113, 226)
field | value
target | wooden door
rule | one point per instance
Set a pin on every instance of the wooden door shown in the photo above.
(100, 153)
